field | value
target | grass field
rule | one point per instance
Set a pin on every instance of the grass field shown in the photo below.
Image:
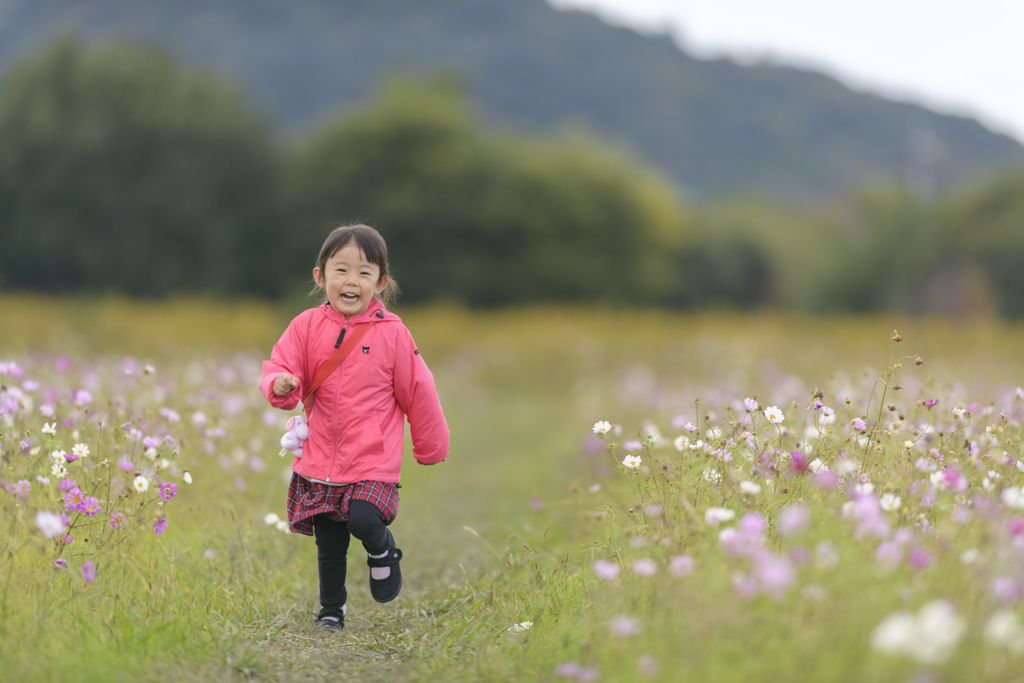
(509, 528)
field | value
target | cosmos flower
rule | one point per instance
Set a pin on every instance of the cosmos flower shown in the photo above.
(750, 405)
(645, 567)
(601, 428)
(890, 502)
(80, 450)
(606, 570)
(159, 525)
(271, 518)
(49, 427)
(624, 626)
(715, 516)
(88, 572)
(632, 461)
(140, 483)
(50, 524)
(681, 565)
(774, 415)
(750, 488)
(187, 476)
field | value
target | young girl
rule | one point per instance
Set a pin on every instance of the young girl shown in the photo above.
(345, 476)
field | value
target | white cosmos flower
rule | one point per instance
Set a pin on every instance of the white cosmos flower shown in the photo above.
(601, 428)
(774, 415)
(938, 480)
(271, 518)
(59, 457)
(595, 488)
(187, 477)
(652, 435)
(50, 523)
(1003, 629)
(712, 476)
(1013, 497)
(632, 461)
(987, 484)
(163, 464)
(828, 416)
(1020, 465)
(715, 516)
(970, 556)
(141, 484)
(697, 445)
(58, 470)
(846, 467)
(81, 450)
(680, 443)
(930, 636)
(283, 526)
(890, 502)
(864, 489)
(151, 453)
(957, 412)
(713, 434)
(750, 488)
(817, 466)
(49, 428)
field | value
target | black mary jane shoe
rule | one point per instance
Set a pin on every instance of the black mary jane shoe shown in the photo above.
(386, 590)
(332, 623)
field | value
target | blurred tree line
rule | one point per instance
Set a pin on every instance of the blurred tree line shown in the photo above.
(122, 171)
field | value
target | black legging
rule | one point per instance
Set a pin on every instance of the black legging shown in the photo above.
(332, 539)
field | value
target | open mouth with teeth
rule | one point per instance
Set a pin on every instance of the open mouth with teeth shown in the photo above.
(349, 298)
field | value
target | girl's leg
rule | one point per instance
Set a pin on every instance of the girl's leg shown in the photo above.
(332, 539)
(366, 523)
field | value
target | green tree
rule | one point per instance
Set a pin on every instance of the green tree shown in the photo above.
(121, 171)
(486, 218)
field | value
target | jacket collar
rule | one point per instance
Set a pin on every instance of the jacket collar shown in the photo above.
(369, 315)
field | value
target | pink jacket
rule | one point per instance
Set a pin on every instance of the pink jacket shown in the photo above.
(357, 425)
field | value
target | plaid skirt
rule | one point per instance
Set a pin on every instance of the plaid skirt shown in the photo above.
(307, 498)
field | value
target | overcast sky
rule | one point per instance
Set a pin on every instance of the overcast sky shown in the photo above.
(960, 56)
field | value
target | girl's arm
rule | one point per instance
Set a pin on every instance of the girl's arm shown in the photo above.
(288, 356)
(417, 397)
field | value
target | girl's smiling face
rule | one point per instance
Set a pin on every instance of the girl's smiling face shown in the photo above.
(350, 280)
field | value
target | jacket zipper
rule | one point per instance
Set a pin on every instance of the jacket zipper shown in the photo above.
(334, 408)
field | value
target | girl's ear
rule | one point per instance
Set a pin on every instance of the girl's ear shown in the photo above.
(318, 278)
(382, 283)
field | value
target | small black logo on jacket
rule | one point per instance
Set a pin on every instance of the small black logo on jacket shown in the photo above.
(366, 349)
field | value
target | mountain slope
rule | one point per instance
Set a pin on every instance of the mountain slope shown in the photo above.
(714, 126)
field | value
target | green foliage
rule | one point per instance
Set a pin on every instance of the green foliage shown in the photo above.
(120, 171)
(484, 218)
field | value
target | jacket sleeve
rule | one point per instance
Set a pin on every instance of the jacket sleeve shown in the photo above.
(288, 356)
(417, 397)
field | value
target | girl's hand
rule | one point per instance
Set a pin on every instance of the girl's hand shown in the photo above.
(285, 384)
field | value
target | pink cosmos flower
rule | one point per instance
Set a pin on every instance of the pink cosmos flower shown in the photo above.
(623, 626)
(800, 462)
(90, 506)
(209, 554)
(681, 565)
(1015, 525)
(954, 479)
(799, 555)
(889, 554)
(794, 519)
(920, 558)
(645, 567)
(68, 539)
(60, 564)
(567, 670)
(151, 441)
(125, 464)
(88, 572)
(750, 405)
(30, 385)
(168, 490)
(752, 525)
(118, 520)
(1007, 589)
(23, 489)
(73, 499)
(825, 479)
(606, 570)
(745, 586)
(859, 425)
(83, 397)
(159, 525)
(774, 574)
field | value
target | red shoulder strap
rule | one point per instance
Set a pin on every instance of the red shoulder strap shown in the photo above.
(332, 363)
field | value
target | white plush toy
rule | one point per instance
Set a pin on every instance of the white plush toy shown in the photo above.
(298, 431)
